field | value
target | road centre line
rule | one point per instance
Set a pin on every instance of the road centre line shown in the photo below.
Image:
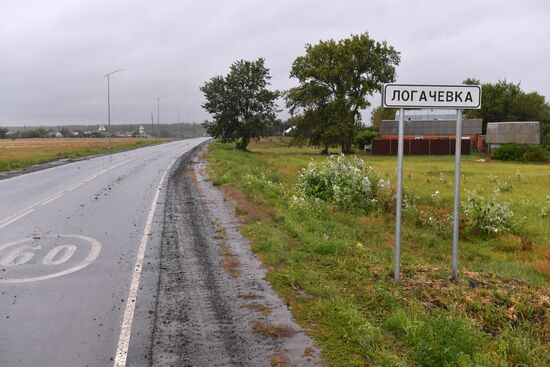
(14, 218)
(128, 318)
(76, 186)
(52, 199)
(18, 215)
(8, 220)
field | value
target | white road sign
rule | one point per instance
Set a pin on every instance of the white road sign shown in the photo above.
(431, 96)
(411, 96)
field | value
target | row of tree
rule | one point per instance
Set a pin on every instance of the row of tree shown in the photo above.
(38, 132)
(335, 80)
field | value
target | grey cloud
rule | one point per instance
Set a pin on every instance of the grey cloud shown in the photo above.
(53, 54)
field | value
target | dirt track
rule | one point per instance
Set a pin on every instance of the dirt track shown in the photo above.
(214, 307)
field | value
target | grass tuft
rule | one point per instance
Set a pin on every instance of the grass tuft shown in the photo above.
(272, 330)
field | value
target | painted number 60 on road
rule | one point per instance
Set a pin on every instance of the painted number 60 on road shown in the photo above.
(21, 255)
(34, 259)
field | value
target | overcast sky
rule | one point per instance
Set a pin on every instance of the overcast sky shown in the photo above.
(54, 53)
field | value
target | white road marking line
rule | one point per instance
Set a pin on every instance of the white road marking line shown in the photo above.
(126, 327)
(80, 183)
(12, 218)
(51, 199)
(16, 218)
(6, 219)
(76, 186)
(19, 213)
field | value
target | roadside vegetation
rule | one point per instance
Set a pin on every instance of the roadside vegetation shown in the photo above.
(21, 153)
(324, 227)
(521, 153)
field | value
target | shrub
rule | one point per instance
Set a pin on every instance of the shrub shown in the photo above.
(535, 153)
(488, 215)
(521, 153)
(504, 186)
(545, 210)
(346, 183)
(436, 197)
(437, 220)
(364, 138)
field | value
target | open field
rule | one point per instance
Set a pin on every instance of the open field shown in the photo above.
(335, 267)
(20, 153)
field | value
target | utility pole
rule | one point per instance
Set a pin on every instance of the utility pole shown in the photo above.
(179, 123)
(152, 126)
(158, 115)
(109, 107)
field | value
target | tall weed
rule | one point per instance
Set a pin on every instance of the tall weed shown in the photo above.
(347, 184)
(488, 215)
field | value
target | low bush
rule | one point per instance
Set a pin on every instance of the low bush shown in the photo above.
(504, 186)
(365, 138)
(436, 220)
(521, 153)
(347, 184)
(488, 215)
(545, 210)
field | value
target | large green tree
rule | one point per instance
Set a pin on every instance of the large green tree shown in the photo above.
(314, 122)
(505, 101)
(336, 78)
(241, 104)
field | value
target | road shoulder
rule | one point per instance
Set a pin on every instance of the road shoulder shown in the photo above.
(214, 305)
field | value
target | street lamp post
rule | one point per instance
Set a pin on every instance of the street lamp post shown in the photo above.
(158, 115)
(152, 126)
(109, 107)
(178, 124)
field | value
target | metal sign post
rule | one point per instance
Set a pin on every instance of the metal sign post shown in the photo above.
(410, 96)
(456, 209)
(397, 263)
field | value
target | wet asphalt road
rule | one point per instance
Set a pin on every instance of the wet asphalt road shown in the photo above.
(69, 237)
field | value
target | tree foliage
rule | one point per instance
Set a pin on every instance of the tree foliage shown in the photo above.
(240, 103)
(505, 101)
(38, 132)
(336, 78)
(380, 113)
(3, 132)
(365, 137)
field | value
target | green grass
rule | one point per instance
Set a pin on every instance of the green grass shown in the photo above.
(335, 268)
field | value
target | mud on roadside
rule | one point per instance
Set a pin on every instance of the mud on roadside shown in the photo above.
(215, 307)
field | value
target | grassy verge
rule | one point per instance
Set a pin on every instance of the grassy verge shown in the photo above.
(21, 153)
(334, 267)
